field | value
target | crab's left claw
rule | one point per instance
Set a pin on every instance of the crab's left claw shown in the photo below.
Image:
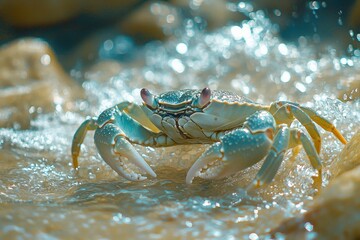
(114, 147)
(237, 150)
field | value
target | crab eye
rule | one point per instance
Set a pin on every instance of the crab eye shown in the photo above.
(148, 98)
(202, 100)
(204, 97)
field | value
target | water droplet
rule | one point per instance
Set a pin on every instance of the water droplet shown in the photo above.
(301, 87)
(236, 32)
(351, 32)
(253, 236)
(277, 12)
(309, 227)
(308, 79)
(45, 59)
(314, 5)
(177, 65)
(283, 49)
(312, 66)
(285, 77)
(181, 48)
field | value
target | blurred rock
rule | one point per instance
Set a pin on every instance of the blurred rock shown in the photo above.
(206, 8)
(354, 16)
(23, 13)
(352, 89)
(103, 71)
(349, 157)
(31, 81)
(335, 212)
(151, 21)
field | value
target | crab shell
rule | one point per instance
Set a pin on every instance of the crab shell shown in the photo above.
(198, 116)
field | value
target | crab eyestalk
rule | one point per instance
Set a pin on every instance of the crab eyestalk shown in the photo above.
(204, 98)
(148, 98)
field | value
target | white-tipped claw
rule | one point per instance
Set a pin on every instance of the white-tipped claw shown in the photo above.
(212, 154)
(124, 148)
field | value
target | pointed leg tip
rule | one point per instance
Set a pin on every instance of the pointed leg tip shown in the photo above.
(153, 174)
(75, 161)
(255, 184)
(189, 179)
(189, 182)
(339, 136)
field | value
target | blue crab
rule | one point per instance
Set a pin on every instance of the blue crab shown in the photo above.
(240, 131)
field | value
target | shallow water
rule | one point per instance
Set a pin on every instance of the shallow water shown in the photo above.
(42, 197)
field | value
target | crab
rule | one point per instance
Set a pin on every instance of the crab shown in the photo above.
(241, 133)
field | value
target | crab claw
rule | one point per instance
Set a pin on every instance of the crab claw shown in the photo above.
(113, 148)
(236, 150)
(207, 159)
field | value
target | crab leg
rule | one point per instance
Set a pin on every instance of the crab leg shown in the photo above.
(274, 158)
(89, 124)
(325, 124)
(236, 150)
(299, 138)
(288, 111)
(284, 139)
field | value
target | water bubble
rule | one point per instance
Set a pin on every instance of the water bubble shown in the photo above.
(351, 33)
(188, 224)
(301, 87)
(283, 49)
(277, 12)
(242, 5)
(45, 59)
(308, 226)
(314, 5)
(312, 66)
(181, 48)
(206, 203)
(343, 61)
(108, 45)
(285, 77)
(177, 65)
(253, 236)
(170, 18)
(308, 79)
(236, 32)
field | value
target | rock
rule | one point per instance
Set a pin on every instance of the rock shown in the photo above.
(354, 16)
(352, 89)
(31, 81)
(23, 13)
(349, 157)
(205, 9)
(103, 71)
(148, 21)
(335, 211)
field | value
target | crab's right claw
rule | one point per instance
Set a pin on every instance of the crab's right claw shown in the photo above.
(114, 147)
(236, 150)
(208, 158)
